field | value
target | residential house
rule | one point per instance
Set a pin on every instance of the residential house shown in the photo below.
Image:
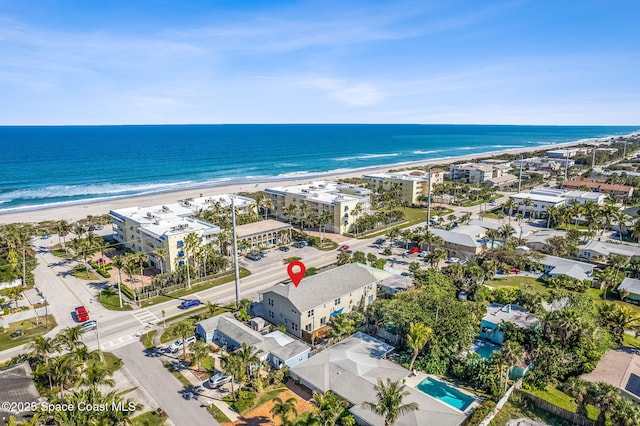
(464, 242)
(536, 163)
(339, 200)
(558, 266)
(490, 325)
(600, 251)
(620, 368)
(17, 393)
(540, 240)
(308, 307)
(500, 181)
(632, 286)
(394, 284)
(277, 348)
(598, 185)
(413, 184)
(351, 369)
(567, 152)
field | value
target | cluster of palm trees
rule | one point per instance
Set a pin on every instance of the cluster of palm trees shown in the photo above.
(463, 192)
(16, 254)
(221, 214)
(376, 220)
(619, 410)
(303, 216)
(243, 365)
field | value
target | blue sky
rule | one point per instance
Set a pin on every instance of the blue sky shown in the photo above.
(209, 61)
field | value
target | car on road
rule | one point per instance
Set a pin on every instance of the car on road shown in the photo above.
(89, 325)
(218, 379)
(99, 228)
(178, 345)
(453, 260)
(493, 203)
(81, 314)
(414, 250)
(92, 228)
(189, 303)
(300, 244)
(46, 236)
(283, 248)
(343, 248)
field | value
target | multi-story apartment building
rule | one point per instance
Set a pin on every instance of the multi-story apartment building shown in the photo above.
(413, 184)
(321, 196)
(477, 172)
(160, 227)
(310, 306)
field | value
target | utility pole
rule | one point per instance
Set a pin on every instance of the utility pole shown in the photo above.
(624, 151)
(98, 338)
(235, 249)
(520, 176)
(566, 164)
(429, 202)
(593, 157)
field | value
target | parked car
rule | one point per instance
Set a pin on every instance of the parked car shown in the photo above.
(453, 260)
(81, 314)
(283, 248)
(379, 241)
(178, 345)
(186, 304)
(92, 228)
(254, 255)
(299, 244)
(46, 236)
(99, 228)
(218, 379)
(413, 250)
(343, 248)
(89, 325)
(423, 253)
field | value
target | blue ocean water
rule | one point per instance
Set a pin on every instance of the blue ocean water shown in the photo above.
(43, 166)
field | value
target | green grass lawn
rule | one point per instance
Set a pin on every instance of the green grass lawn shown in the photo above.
(519, 282)
(632, 342)
(79, 271)
(170, 333)
(560, 399)
(597, 296)
(111, 361)
(512, 411)
(150, 418)
(177, 374)
(147, 339)
(194, 288)
(218, 414)
(58, 251)
(112, 302)
(30, 329)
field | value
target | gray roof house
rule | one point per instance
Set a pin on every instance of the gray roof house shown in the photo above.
(277, 348)
(539, 240)
(464, 244)
(556, 266)
(632, 286)
(497, 314)
(598, 250)
(352, 368)
(309, 307)
(17, 387)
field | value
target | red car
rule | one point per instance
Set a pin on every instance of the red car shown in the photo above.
(414, 250)
(81, 314)
(343, 248)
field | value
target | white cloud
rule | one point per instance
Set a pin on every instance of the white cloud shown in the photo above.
(358, 94)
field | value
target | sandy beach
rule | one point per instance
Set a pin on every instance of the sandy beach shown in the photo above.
(75, 212)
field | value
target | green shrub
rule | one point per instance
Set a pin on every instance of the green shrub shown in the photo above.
(127, 291)
(245, 400)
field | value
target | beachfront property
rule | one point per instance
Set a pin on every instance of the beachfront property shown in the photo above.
(339, 200)
(537, 163)
(307, 309)
(147, 229)
(263, 234)
(351, 369)
(277, 348)
(598, 185)
(568, 152)
(413, 184)
(243, 205)
(600, 251)
(490, 325)
(477, 172)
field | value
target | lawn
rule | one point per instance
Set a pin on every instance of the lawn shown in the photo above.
(58, 251)
(111, 361)
(413, 216)
(519, 282)
(630, 341)
(194, 288)
(79, 271)
(112, 302)
(218, 414)
(178, 375)
(150, 418)
(596, 295)
(30, 329)
(562, 400)
(170, 333)
(147, 339)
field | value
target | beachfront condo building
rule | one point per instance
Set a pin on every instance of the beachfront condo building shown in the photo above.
(477, 172)
(316, 198)
(412, 184)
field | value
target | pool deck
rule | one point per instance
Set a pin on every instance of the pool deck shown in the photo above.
(413, 381)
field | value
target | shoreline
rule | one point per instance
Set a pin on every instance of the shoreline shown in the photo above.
(74, 211)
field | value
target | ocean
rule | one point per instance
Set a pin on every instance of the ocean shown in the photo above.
(43, 166)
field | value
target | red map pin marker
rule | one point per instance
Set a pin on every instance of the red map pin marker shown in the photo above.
(296, 277)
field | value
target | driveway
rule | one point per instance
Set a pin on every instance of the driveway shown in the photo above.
(165, 389)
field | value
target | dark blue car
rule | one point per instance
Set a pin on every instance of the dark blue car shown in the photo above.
(186, 304)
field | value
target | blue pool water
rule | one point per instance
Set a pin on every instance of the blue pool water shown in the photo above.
(445, 393)
(484, 349)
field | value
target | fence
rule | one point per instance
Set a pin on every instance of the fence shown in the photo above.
(501, 403)
(574, 418)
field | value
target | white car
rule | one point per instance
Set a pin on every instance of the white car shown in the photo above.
(423, 253)
(217, 380)
(177, 345)
(453, 260)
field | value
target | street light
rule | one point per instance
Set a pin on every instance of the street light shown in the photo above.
(98, 339)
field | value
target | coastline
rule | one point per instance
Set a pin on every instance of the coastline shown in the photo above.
(76, 211)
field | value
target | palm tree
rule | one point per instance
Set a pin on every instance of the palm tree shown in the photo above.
(264, 203)
(619, 318)
(578, 389)
(323, 220)
(70, 337)
(357, 211)
(509, 205)
(507, 231)
(603, 396)
(233, 366)
(493, 234)
(119, 263)
(62, 228)
(184, 329)
(191, 242)
(97, 374)
(199, 351)
(509, 355)
(250, 357)
(160, 255)
(283, 409)
(390, 396)
(43, 347)
(290, 211)
(525, 203)
(419, 335)
(329, 408)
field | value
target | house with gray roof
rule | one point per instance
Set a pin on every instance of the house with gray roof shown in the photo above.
(490, 325)
(600, 251)
(466, 243)
(351, 369)
(17, 386)
(277, 348)
(310, 306)
(632, 286)
(556, 266)
(540, 240)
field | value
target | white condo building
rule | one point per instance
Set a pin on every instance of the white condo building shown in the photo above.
(412, 183)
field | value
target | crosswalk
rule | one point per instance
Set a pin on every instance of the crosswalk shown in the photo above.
(144, 316)
(119, 342)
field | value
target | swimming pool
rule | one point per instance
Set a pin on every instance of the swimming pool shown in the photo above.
(484, 349)
(445, 393)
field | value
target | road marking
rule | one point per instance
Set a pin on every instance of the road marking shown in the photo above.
(119, 342)
(144, 316)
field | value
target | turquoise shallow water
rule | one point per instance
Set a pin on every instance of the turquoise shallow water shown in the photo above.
(43, 166)
(445, 393)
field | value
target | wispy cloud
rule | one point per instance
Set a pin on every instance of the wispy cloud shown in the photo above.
(360, 94)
